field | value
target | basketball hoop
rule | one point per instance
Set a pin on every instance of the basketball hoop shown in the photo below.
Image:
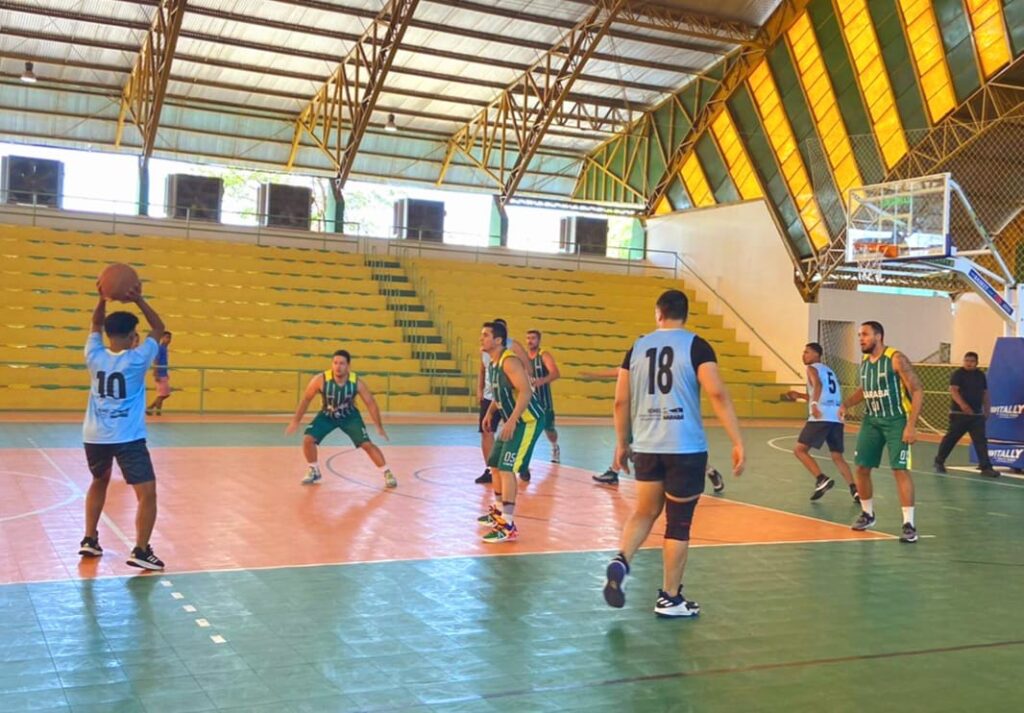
(869, 267)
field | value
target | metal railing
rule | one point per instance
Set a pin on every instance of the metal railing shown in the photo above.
(637, 261)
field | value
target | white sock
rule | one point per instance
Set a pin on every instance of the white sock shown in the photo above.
(908, 515)
(867, 506)
(315, 466)
(508, 511)
(383, 469)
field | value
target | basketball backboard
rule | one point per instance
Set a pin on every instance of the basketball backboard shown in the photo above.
(899, 220)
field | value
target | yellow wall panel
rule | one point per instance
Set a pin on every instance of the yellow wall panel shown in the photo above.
(780, 136)
(817, 86)
(696, 182)
(866, 56)
(929, 57)
(736, 158)
(990, 39)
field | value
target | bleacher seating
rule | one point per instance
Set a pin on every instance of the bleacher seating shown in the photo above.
(252, 323)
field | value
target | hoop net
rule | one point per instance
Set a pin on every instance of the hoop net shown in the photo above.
(869, 266)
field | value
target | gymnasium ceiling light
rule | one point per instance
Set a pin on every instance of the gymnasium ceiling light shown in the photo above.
(391, 125)
(28, 76)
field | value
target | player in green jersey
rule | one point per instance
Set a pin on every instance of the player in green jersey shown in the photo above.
(545, 371)
(892, 394)
(524, 421)
(338, 388)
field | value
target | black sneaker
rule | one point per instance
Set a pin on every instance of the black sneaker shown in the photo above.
(940, 467)
(854, 494)
(821, 486)
(716, 480)
(909, 534)
(609, 477)
(145, 559)
(990, 472)
(615, 582)
(525, 476)
(863, 522)
(90, 547)
(669, 606)
(484, 478)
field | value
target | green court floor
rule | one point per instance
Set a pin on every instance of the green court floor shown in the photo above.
(829, 626)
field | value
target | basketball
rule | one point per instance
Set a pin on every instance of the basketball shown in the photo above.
(117, 280)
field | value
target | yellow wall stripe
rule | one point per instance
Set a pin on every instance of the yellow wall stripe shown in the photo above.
(929, 56)
(735, 154)
(780, 136)
(866, 54)
(822, 99)
(696, 182)
(990, 38)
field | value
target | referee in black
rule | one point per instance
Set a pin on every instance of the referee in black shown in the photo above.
(969, 409)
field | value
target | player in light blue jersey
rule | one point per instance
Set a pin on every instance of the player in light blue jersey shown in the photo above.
(658, 426)
(823, 425)
(115, 422)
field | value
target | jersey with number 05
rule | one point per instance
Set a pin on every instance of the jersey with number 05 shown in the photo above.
(664, 392)
(831, 398)
(117, 397)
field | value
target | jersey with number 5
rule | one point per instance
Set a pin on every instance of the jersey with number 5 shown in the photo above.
(117, 396)
(831, 398)
(664, 392)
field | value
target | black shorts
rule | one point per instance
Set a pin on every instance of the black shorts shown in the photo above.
(683, 473)
(816, 433)
(495, 419)
(132, 458)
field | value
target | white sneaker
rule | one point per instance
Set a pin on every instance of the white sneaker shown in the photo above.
(556, 454)
(312, 476)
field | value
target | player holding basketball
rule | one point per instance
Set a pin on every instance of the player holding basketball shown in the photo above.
(545, 371)
(338, 388)
(524, 421)
(893, 396)
(658, 426)
(611, 476)
(115, 422)
(823, 423)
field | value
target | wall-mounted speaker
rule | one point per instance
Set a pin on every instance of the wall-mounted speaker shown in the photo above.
(588, 236)
(31, 181)
(285, 206)
(419, 220)
(194, 197)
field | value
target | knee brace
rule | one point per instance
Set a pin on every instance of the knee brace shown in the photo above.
(678, 518)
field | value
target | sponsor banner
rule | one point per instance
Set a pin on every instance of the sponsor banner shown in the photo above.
(1001, 453)
(1006, 391)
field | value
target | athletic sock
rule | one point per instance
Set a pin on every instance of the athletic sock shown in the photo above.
(508, 512)
(622, 558)
(315, 466)
(908, 515)
(867, 506)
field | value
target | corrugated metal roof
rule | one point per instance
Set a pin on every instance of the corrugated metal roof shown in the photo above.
(244, 69)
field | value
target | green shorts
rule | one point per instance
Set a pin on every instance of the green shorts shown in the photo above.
(877, 434)
(514, 456)
(352, 425)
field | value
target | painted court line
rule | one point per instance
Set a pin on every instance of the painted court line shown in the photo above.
(130, 544)
(75, 494)
(875, 537)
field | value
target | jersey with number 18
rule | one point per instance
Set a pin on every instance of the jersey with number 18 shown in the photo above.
(665, 393)
(117, 396)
